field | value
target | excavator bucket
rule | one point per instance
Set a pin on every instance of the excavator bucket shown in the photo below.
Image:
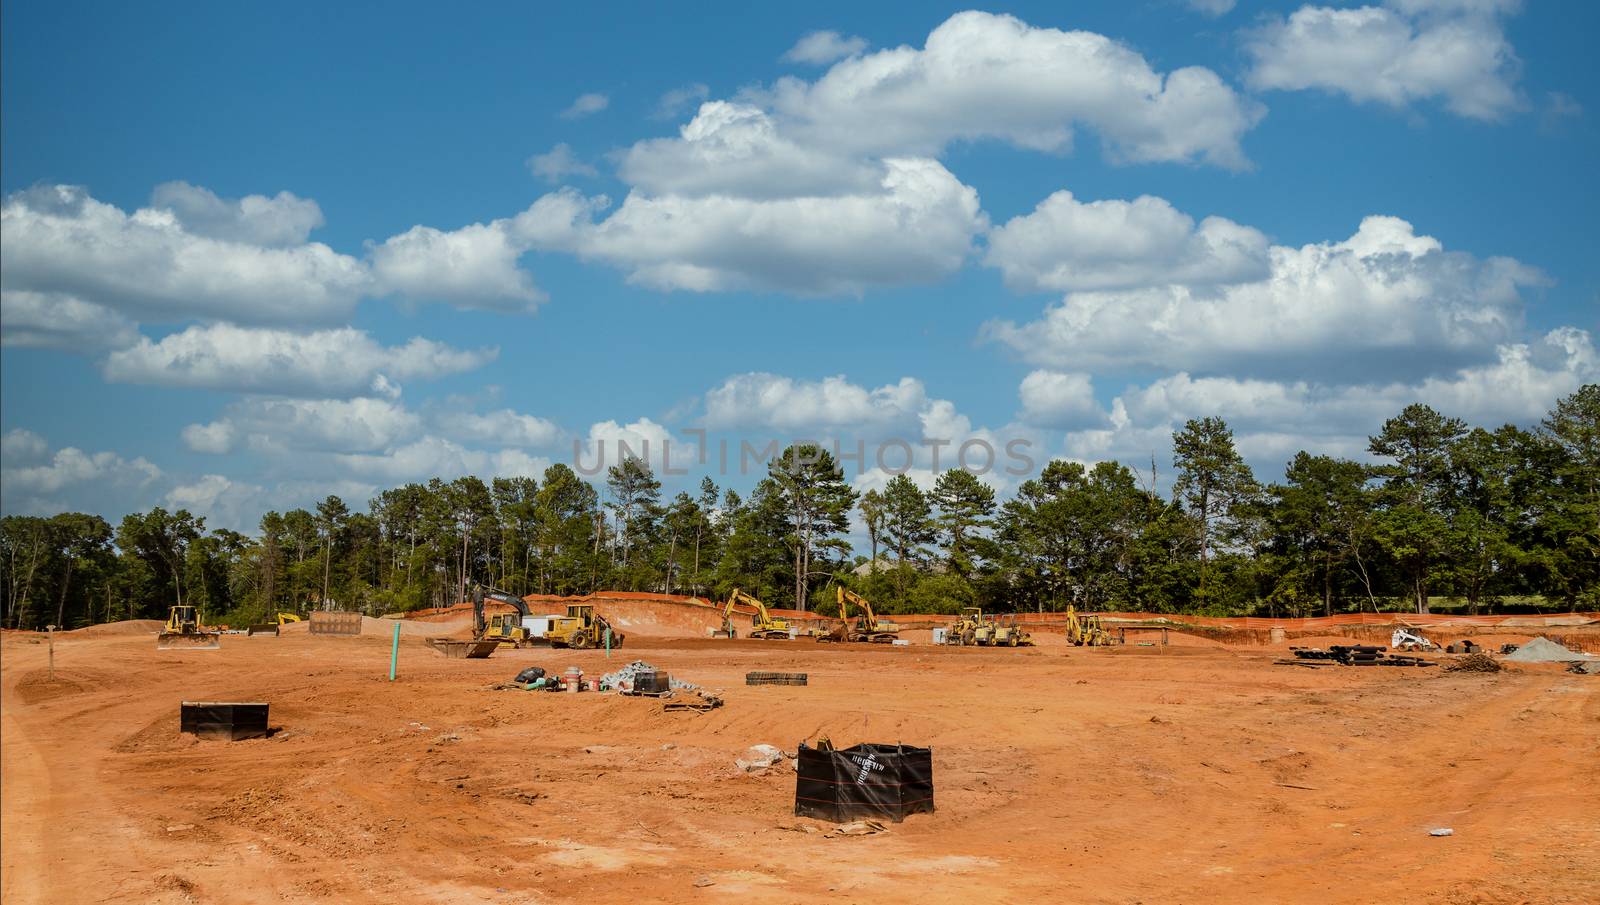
(189, 641)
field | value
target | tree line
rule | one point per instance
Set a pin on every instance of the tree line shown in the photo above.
(1488, 518)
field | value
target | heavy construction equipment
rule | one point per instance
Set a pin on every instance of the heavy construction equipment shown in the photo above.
(762, 623)
(184, 632)
(510, 629)
(581, 628)
(1085, 630)
(1010, 634)
(964, 632)
(1405, 639)
(867, 627)
(286, 618)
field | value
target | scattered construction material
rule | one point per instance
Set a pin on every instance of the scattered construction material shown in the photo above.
(1464, 646)
(1543, 650)
(701, 701)
(227, 720)
(759, 757)
(458, 649)
(640, 677)
(184, 632)
(774, 678)
(333, 622)
(1441, 831)
(1475, 663)
(857, 828)
(867, 780)
(529, 675)
(1354, 655)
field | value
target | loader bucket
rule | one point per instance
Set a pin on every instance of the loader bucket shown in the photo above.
(189, 641)
(261, 628)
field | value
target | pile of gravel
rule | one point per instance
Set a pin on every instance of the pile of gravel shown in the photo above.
(1543, 650)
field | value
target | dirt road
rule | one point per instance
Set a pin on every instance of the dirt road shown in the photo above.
(1188, 774)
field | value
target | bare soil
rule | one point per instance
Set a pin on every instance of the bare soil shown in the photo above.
(1195, 772)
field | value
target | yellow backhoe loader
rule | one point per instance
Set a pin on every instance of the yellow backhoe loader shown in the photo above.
(183, 632)
(762, 623)
(1086, 631)
(867, 627)
(581, 628)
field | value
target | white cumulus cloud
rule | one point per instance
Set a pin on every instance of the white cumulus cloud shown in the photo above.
(280, 221)
(1384, 302)
(916, 226)
(151, 265)
(36, 481)
(296, 425)
(1395, 54)
(981, 75)
(1067, 244)
(322, 363)
(56, 320)
(472, 267)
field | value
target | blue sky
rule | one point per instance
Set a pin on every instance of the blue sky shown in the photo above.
(1298, 217)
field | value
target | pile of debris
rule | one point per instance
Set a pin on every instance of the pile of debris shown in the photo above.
(626, 678)
(1354, 655)
(1475, 662)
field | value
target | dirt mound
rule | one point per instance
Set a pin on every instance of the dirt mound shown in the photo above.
(125, 627)
(384, 628)
(1543, 650)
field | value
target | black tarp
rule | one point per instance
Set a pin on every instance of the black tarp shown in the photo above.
(234, 720)
(879, 781)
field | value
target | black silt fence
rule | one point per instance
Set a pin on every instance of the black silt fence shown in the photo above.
(866, 781)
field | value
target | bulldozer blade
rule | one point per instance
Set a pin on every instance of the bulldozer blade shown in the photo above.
(189, 641)
(261, 628)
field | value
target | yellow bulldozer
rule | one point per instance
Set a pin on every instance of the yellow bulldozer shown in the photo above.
(184, 632)
(762, 624)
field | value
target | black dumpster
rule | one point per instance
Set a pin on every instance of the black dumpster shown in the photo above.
(865, 781)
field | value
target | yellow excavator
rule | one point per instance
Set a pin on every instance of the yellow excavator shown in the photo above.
(1086, 631)
(763, 625)
(510, 629)
(867, 627)
(184, 632)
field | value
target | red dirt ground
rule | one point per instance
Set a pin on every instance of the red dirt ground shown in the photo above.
(1196, 772)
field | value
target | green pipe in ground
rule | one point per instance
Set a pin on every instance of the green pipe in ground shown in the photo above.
(394, 651)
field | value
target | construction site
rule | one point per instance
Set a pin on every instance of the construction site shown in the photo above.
(1074, 757)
